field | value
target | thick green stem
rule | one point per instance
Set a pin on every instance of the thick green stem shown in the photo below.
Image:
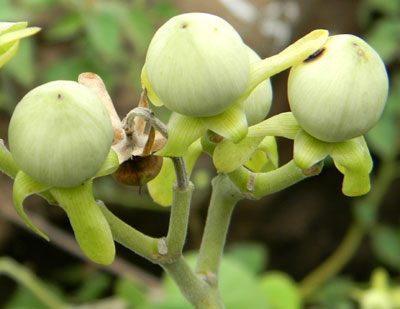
(179, 219)
(223, 199)
(257, 185)
(129, 237)
(199, 293)
(34, 284)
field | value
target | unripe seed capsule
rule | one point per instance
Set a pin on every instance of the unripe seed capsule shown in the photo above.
(60, 134)
(197, 64)
(339, 92)
(257, 105)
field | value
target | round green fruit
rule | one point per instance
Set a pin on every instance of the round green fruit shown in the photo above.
(340, 91)
(60, 134)
(258, 104)
(197, 64)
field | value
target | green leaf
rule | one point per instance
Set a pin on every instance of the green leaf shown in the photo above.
(23, 298)
(104, 34)
(64, 28)
(9, 26)
(383, 137)
(130, 291)
(69, 68)
(165, 9)
(252, 256)
(93, 287)
(385, 38)
(12, 36)
(39, 3)
(22, 188)
(386, 245)
(333, 294)
(386, 6)
(8, 54)
(239, 288)
(280, 290)
(21, 67)
(139, 30)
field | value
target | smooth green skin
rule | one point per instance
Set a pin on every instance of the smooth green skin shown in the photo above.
(60, 134)
(197, 64)
(258, 104)
(341, 94)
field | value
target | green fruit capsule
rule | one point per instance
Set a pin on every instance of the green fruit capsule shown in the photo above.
(258, 104)
(339, 92)
(197, 65)
(60, 134)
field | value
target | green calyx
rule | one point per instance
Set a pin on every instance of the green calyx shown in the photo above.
(60, 134)
(10, 36)
(351, 158)
(339, 92)
(197, 64)
(249, 108)
(91, 230)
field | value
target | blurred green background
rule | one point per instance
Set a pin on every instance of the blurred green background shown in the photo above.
(291, 232)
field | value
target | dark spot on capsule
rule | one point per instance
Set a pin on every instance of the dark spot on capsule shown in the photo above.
(354, 44)
(315, 55)
(59, 96)
(184, 26)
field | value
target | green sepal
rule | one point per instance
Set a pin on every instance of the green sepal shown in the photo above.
(17, 35)
(269, 146)
(10, 36)
(91, 229)
(182, 132)
(293, 54)
(110, 165)
(284, 125)
(7, 163)
(8, 27)
(257, 161)
(161, 187)
(308, 150)
(231, 124)
(24, 186)
(9, 53)
(229, 156)
(150, 92)
(353, 160)
(207, 142)
(266, 157)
